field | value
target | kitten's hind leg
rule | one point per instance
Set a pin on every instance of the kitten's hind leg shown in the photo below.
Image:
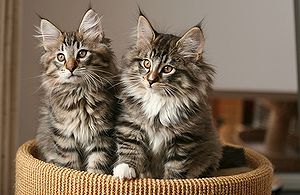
(59, 150)
(69, 160)
(175, 169)
(177, 162)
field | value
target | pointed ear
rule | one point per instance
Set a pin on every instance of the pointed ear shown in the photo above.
(145, 32)
(49, 34)
(191, 43)
(91, 26)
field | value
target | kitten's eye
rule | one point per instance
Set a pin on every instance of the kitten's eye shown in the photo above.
(146, 63)
(82, 53)
(167, 69)
(60, 57)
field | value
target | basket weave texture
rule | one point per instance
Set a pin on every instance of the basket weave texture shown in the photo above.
(35, 177)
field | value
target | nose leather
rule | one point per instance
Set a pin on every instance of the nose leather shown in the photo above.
(71, 64)
(152, 77)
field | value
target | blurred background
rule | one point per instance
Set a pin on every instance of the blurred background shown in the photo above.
(252, 44)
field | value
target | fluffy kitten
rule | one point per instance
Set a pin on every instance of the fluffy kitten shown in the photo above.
(165, 129)
(76, 128)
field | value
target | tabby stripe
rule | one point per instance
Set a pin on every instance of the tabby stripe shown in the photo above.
(102, 166)
(60, 153)
(97, 150)
(52, 116)
(62, 149)
(56, 132)
(106, 132)
(122, 140)
(81, 154)
(69, 107)
(131, 101)
(183, 140)
(57, 65)
(127, 146)
(127, 154)
(74, 41)
(176, 157)
(137, 60)
(68, 164)
(64, 42)
(166, 45)
(132, 147)
(129, 124)
(152, 54)
(97, 104)
(187, 138)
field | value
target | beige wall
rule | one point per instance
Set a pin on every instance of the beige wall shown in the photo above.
(251, 43)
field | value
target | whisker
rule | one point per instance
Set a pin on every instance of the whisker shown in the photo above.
(99, 78)
(98, 70)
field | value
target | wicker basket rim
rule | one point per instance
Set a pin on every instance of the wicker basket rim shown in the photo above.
(257, 162)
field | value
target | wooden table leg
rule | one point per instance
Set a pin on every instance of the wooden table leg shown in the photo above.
(278, 126)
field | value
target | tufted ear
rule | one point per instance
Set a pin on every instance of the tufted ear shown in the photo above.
(191, 43)
(145, 32)
(49, 34)
(91, 26)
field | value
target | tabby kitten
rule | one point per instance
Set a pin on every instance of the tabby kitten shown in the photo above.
(165, 129)
(76, 128)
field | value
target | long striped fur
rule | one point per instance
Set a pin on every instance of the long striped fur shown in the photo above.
(77, 113)
(165, 129)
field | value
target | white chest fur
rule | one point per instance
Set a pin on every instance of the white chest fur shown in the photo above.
(158, 140)
(79, 123)
(168, 109)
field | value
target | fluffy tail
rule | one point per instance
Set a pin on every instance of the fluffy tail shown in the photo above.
(232, 157)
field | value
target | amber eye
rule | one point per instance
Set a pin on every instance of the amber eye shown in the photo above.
(60, 57)
(167, 69)
(82, 53)
(146, 63)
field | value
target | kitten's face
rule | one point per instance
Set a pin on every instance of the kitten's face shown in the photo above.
(167, 65)
(80, 57)
(69, 60)
(160, 68)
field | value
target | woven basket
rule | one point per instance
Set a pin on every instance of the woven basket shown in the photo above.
(34, 176)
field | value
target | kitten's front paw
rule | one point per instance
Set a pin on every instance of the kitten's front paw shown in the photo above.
(124, 171)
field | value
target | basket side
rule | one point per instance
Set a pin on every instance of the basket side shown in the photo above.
(35, 177)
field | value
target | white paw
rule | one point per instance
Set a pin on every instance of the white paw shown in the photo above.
(124, 171)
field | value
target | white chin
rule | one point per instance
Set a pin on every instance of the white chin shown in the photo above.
(70, 79)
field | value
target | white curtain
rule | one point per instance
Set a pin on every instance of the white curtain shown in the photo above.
(9, 44)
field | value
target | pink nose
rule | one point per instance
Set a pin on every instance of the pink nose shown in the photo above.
(71, 65)
(152, 77)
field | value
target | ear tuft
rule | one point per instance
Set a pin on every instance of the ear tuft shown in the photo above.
(191, 43)
(145, 32)
(49, 34)
(91, 26)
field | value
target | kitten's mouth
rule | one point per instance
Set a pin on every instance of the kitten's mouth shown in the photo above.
(149, 86)
(73, 76)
